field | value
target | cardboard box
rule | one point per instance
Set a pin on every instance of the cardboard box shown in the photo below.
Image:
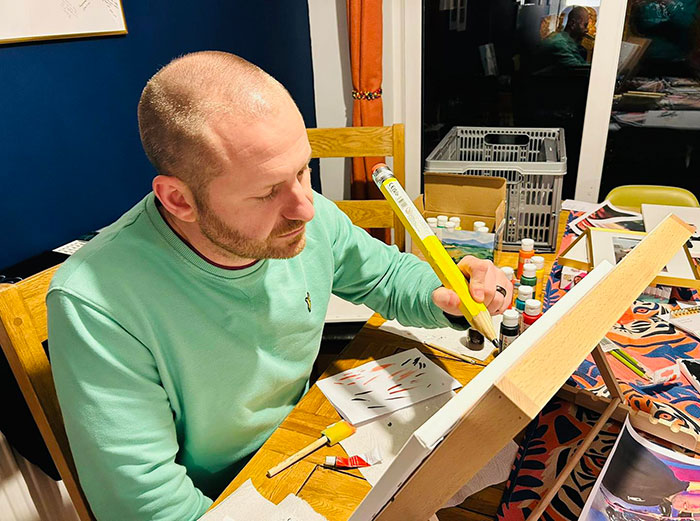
(470, 197)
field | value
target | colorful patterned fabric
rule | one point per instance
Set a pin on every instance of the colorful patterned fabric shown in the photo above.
(549, 441)
(556, 432)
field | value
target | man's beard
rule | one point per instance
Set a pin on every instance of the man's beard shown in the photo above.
(235, 243)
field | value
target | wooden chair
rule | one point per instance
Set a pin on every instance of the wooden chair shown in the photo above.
(365, 142)
(23, 328)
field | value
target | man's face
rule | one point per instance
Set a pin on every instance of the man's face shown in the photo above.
(258, 207)
(579, 27)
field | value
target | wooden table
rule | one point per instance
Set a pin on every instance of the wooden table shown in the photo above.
(334, 493)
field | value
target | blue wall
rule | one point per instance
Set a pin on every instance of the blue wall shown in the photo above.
(70, 156)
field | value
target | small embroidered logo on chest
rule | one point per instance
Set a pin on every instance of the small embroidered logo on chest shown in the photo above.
(308, 301)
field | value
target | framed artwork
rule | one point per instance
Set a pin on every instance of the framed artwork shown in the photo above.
(31, 20)
(577, 255)
(613, 245)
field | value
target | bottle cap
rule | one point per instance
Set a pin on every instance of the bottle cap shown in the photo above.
(538, 260)
(524, 292)
(330, 461)
(455, 220)
(442, 218)
(529, 270)
(510, 318)
(527, 245)
(483, 229)
(478, 224)
(432, 220)
(533, 307)
(510, 272)
(450, 225)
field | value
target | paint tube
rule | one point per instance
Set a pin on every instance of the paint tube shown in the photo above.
(360, 460)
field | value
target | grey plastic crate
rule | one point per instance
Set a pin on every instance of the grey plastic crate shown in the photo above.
(533, 161)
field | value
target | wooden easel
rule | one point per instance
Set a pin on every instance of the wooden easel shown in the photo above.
(519, 394)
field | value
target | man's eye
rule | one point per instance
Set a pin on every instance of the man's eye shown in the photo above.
(268, 197)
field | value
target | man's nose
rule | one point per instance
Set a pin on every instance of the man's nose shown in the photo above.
(300, 206)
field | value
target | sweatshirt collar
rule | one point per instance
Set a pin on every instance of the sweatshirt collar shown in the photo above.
(182, 247)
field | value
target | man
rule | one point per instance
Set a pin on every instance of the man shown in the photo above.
(563, 49)
(183, 334)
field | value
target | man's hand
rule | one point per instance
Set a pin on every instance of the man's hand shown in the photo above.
(483, 278)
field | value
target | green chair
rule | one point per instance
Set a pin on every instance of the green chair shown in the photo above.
(632, 196)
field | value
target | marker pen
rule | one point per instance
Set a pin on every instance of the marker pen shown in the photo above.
(527, 250)
(533, 311)
(509, 328)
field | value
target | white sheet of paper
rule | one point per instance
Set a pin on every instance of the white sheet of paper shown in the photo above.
(383, 386)
(247, 503)
(244, 503)
(446, 337)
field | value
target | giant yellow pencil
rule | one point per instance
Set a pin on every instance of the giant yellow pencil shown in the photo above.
(431, 247)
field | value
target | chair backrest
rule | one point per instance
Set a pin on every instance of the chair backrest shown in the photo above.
(632, 196)
(23, 328)
(365, 142)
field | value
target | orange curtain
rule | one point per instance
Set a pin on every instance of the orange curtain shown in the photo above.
(365, 34)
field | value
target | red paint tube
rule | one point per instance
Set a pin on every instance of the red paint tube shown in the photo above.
(355, 462)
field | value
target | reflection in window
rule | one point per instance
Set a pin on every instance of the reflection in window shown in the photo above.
(654, 135)
(515, 64)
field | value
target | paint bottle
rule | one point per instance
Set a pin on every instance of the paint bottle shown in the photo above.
(533, 311)
(441, 221)
(432, 221)
(509, 328)
(457, 221)
(509, 273)
(524, 293)
(529, 277)
(527, 250)
(538, 261)
(483, 229)
(477, 225)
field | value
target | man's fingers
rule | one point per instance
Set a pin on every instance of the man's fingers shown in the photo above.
(477, 271)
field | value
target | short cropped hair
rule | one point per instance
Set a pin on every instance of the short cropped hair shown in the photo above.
(180, 100)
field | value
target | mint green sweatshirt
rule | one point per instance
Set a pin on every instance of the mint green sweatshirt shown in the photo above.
(171, 371)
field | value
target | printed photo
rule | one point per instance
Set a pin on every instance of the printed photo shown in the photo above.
(622, 246)
(644, 481)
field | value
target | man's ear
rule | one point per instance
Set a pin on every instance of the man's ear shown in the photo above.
(176, 197)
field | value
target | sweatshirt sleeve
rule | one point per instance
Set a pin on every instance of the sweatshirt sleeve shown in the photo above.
(367, 271)
(118, 418)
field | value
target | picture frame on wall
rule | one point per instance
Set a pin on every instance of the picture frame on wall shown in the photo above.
(605, 245)
(33, 20)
